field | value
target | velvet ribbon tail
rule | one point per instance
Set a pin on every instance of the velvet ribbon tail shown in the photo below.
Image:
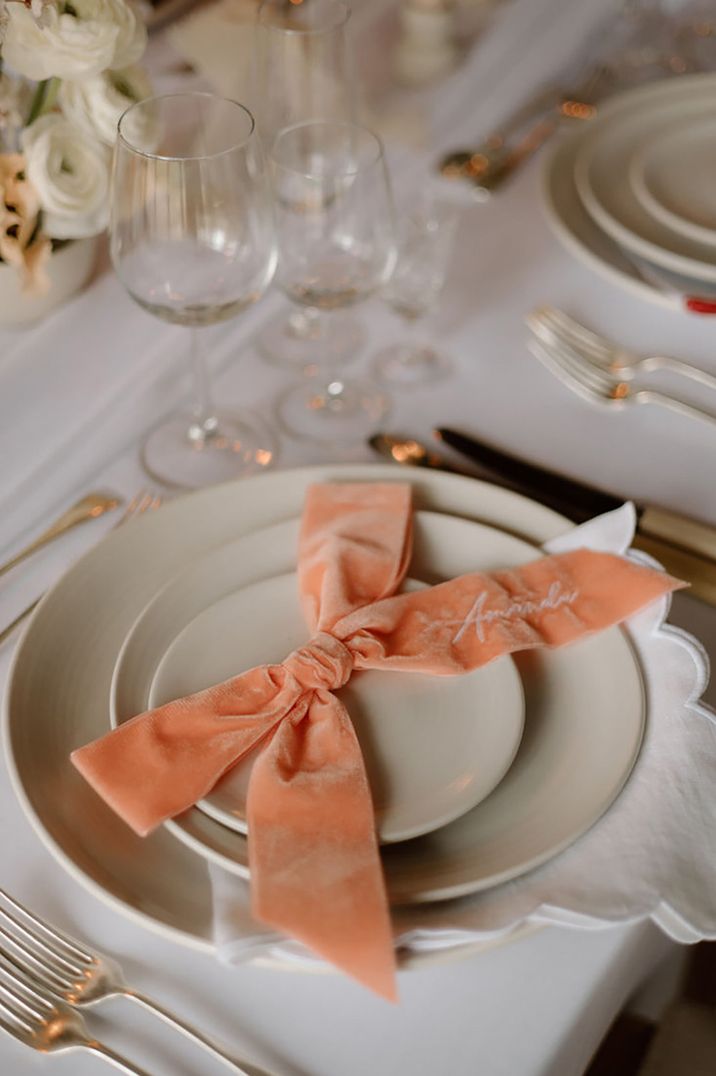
(315, 865)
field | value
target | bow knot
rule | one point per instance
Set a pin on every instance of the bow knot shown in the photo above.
(324, 663)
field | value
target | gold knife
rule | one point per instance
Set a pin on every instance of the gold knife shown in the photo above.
(686, 547)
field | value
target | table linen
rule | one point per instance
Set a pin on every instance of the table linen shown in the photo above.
(101, 390)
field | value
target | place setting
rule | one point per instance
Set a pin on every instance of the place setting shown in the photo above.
(373, 721)
(514, 761)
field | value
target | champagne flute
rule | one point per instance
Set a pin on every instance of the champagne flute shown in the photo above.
(192, 241)
(335, 234)
(304, 71)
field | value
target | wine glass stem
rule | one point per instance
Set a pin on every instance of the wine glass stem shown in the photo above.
(413, 337)
(204, 423)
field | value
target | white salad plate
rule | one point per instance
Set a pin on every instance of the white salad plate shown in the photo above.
(434, 746)
(602, 169)
(673, 177)
(59, 688)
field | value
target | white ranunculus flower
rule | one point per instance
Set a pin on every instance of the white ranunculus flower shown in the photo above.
(96, 104)
(78, 43)
(132, 37)
(69, 170)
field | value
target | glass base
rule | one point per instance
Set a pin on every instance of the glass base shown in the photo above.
(407, 364)
(308, 339)
(178, 453)
(335, 411)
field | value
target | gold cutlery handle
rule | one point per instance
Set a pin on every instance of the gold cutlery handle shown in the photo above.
(526, 148)
(688, 534)
(685, 547)
(700, 574)
(90, 507)
(473, 163)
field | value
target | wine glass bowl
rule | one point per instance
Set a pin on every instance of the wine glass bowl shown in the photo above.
(334, 214)
(182, 241)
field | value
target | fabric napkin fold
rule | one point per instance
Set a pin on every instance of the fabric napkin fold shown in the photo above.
(313, 853)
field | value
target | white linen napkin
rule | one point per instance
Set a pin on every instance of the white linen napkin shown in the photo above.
(652, 855)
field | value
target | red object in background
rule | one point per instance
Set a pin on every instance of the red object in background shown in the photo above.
(701, 306)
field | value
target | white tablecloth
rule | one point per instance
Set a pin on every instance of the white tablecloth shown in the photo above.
(76, 393)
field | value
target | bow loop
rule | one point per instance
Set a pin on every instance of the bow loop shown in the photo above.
(324, 663)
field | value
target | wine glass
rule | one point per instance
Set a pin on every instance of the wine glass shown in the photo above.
(335, 234)
(304, 71)
(192, 241)
(424, 242)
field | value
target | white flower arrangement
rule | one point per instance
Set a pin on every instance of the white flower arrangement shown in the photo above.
(68, 72)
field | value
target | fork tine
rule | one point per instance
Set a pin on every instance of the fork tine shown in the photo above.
(583, 372)
(596, 378)
(14, 1030)
(133, 507)
(26, 973)
(46, 947)
(26, 1027)
(548, 321)
(12, 998)
(556, 367)
(40, 966)
(24, 978)
(141, 502)
(52, 932)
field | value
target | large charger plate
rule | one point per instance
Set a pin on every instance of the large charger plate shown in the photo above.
(58, 690)
(583, 728)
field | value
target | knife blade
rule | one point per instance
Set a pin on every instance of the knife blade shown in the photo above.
(686, 547)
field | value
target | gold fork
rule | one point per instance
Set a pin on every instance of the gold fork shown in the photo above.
(92, 506)
(142, 502)
(31, 1015)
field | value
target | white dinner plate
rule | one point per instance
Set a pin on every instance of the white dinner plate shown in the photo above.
(590, 725)
(602, 167)
(434, 746)
(58, 689)
(673, 176)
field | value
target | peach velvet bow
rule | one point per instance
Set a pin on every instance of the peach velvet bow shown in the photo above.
(313, 854)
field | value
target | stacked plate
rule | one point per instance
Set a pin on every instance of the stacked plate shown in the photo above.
(632, 192)
(476, 779)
